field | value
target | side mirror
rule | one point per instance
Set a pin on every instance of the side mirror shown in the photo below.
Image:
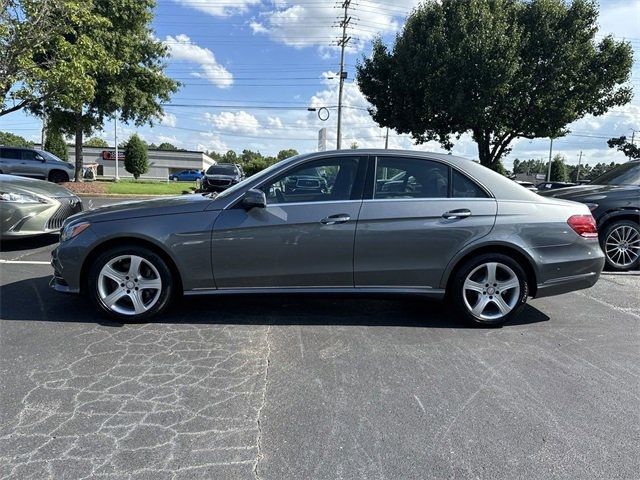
(254, 198)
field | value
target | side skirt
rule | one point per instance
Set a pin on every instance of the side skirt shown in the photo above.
(427, 292)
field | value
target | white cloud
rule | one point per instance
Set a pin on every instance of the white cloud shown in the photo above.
(208, 142)
(304, 23)
(234, 122)
(169, 120)
(182, 49)
(274, 122)
(219, 8)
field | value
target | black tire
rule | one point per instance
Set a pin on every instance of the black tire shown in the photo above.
(58, 176)
(166, 291)
(516, 298)
(613, 258)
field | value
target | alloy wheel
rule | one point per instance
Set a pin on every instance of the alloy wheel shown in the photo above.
(129, 285)
(491, 291)
(622, 246)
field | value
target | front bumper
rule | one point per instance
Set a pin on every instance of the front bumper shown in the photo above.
(20, 220)
(57, 282)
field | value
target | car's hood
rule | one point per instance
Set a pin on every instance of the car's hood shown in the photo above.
(11, 183)
(582, 193)
(146, 208)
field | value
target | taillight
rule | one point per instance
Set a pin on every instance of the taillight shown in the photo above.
(584, 225)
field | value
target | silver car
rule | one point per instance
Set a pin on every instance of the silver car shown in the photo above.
(30, 207)
(387, 221)
(28, 162)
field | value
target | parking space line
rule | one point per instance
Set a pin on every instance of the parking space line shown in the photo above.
(24, 262)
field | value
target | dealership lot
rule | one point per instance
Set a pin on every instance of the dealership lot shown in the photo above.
(315, 386)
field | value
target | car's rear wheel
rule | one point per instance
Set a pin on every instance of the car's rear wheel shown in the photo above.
(58, 176)
(490, 289)
(131, 284)
(620, 242)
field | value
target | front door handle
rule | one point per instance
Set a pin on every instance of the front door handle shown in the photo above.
(334, 219)
(461, 213)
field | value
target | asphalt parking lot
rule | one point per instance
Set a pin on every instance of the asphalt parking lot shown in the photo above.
(315, 387)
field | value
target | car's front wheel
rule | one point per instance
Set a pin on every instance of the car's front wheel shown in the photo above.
(131, 284)
(620, 242)
(57, 176)
(490, 289)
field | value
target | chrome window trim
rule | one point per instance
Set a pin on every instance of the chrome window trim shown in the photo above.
(311, 203)
(431, 199)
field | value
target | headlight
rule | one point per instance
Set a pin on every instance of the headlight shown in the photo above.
(73, 230)
(592, 206)
(69, 165)
(11, 197)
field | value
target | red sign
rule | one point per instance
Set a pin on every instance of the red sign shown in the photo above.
(111, 155)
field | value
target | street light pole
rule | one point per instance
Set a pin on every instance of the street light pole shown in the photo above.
(386, 140)
(578, 172)
(550, 153)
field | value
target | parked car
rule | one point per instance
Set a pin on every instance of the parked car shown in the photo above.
(614, 201)
(30, 207)
(186, 176)
(553, 185)
(28, 162)
(484, 242)
(219, 177)
(527, 185)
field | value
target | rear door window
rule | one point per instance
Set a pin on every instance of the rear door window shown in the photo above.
(464, 187)
(399, 178)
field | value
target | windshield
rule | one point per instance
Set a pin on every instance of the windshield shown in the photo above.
(222, 170)
(625, 174)
(50, 156)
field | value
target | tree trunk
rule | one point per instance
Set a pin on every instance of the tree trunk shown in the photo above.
(78, 148)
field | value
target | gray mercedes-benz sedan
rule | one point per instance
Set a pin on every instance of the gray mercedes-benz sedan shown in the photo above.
(358, 221)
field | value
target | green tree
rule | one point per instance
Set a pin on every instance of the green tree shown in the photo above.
(630, 149)
(48, 54)
(135, 88)
(599, 169)
(498, 69)
(282, 154)
(54, 143)
(230, 157)
(135, 157)
(558, 169)
(10, 140)
(96, 142)
(167, 146)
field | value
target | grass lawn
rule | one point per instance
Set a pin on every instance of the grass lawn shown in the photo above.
(132, 187)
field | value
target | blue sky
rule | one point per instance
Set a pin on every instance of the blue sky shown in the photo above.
(252, 67)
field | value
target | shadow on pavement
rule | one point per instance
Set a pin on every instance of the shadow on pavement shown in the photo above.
(17, 244)
(33, 300)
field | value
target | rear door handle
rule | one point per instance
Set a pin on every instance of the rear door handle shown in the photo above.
(334, 219)
(452, 214)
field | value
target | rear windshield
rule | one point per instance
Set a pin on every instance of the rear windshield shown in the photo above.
(221, 170)
(625, 174)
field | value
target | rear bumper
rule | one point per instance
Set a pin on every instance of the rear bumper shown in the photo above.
(558, 286)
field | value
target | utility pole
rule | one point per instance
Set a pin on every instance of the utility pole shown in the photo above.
(549, 168)
(578, 172)
(115, 134)
(386, 140)
(342, 43)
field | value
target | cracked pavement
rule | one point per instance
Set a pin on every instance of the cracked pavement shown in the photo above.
(316, 387)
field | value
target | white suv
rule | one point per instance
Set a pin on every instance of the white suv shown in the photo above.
(28, 162)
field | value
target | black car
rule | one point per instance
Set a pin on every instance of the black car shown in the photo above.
(614, 201)
(219, 177)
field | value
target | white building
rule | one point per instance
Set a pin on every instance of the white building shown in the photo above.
(161, 162)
